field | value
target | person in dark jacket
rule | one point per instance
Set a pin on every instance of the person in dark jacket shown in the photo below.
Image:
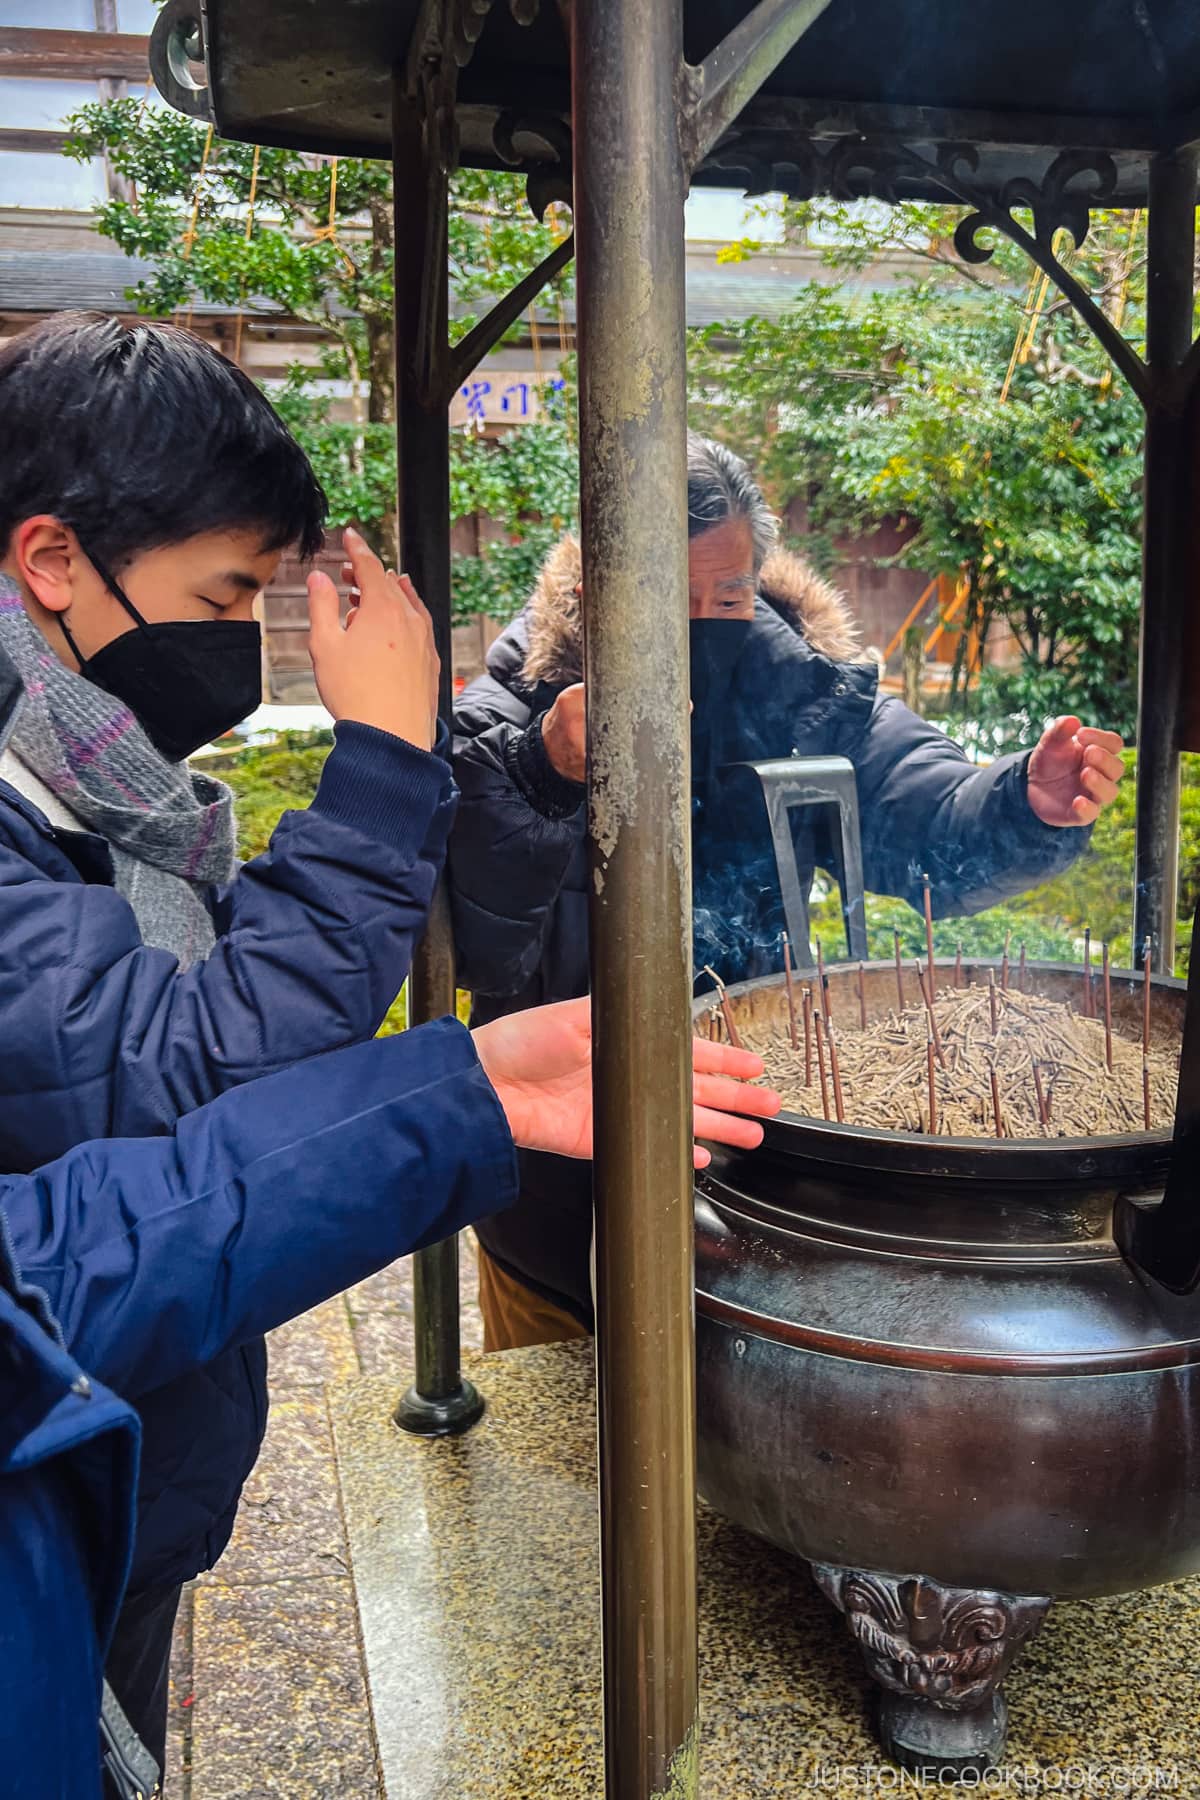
(141, 1261)
(146, 491)
(775, 672)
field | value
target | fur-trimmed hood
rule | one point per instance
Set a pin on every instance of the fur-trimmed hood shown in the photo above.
(812, 607)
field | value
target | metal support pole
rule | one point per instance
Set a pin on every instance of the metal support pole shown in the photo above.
(1167, 578)
(627, 72)
(440, 1400)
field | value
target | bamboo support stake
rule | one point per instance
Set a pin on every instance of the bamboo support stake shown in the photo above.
(862, 996)
(899, 971)
(726, 1010)
(1107, 1011)
(928, 900)
(791, 992)
(835, 1070)
(992, 1001)
(808, 1035)
(820, 1036)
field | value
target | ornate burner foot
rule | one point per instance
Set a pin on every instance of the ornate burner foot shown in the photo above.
(939, 1654)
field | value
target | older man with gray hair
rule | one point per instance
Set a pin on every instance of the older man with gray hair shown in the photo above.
(776, 671)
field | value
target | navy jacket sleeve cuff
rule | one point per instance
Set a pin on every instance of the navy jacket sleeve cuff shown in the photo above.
(382, 785)
(548, 792)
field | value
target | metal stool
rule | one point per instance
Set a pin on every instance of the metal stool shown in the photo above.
(829, 781)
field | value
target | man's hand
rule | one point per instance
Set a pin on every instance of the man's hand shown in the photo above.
(1073, 773)
(564, 733)
(540, 1064)
(382, 668)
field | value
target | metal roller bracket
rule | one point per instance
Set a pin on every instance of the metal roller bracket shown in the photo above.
(794, 781)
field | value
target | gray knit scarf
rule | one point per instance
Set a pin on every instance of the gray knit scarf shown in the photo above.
(170, 831)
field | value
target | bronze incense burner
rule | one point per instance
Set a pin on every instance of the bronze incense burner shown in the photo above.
(925, 1366)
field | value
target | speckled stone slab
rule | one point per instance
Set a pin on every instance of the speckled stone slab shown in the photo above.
(476, 1568)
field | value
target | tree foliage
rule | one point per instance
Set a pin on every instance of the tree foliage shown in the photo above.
(269, 230)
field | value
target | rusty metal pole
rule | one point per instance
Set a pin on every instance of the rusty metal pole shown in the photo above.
(440, 1401)
(629, 193)
(1168, 580)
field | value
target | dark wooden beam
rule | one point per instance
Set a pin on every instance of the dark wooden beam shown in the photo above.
(74, 55)
(16, 137)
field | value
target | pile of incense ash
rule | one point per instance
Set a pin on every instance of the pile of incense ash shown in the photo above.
(978, 1062)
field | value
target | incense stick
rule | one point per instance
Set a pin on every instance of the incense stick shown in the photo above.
(808, 1035)
(1107, 1011)
(933, 1113)
(862, 996)
(999, 1116)
(1146, 999)
(899, 971)
(822, 984)
(958, 965)
(1146, 1091)
(1089, 1010)
(1023, 971)
(1004, 963)
(1043, 1109)
(821, 1063)
(992, 1001)
(726, 1010)
(835, 1071)
(791, 992)
(926, 988)
(928, 899)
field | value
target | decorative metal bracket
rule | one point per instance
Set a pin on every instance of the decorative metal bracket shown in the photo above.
(731, 75)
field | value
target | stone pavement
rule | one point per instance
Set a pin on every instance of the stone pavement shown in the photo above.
(268, 1692)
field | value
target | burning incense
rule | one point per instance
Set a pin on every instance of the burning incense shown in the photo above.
(899, 971)
(808, 1035)
(928, 896)
(862, 996)
(791, 992)
(1004, 963)
(836, 1072)
(958, 964)
(821, 1064)
(996, 1112)
(1146, 999)
(726, 1010)
(1043, 1109)
(1089, 1006)
(1022, 972)
(992, 1001)
(822, 984)
(1146, 1091)
(932, 1069)
(714, 1025)
(1107, 978)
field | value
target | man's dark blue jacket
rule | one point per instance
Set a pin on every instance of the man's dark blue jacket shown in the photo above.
(103, 1037)
(141, 1261)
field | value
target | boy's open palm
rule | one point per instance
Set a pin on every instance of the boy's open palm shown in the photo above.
(381, 667)
(540, 1064)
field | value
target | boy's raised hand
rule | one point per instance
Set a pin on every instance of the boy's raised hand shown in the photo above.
(381, 668)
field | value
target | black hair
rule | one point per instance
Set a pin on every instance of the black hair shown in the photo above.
(721, 487)
(137, 435)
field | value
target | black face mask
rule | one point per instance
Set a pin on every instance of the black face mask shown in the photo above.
(185, 681)
(715, 646)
